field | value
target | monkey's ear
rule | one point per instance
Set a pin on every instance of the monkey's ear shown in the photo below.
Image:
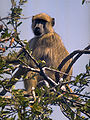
(53, 21)
(32, 18)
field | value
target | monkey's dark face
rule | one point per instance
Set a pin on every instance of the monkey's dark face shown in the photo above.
(38, 26)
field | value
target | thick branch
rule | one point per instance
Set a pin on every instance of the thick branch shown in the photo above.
(73, 54)
(76, 58)
(79, 52)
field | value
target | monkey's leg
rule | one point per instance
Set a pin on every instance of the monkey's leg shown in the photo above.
(30, 82)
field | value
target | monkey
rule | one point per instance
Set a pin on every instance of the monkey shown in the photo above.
(46, 45)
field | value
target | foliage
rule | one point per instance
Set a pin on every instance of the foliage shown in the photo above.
(21, 107)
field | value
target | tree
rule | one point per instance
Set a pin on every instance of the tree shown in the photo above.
(38, 108)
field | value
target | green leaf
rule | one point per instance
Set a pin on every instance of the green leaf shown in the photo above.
(25, 41)
(22, 2)
(83, 2)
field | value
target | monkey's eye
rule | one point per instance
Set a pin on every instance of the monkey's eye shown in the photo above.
(37, 21)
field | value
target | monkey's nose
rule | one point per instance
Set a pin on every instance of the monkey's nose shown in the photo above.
(37, 31)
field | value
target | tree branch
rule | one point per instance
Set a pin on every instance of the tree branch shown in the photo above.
(73, 54)
(76, 58)
(79, 52)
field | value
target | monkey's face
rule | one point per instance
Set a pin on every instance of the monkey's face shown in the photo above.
(42, 24)
(38, 26)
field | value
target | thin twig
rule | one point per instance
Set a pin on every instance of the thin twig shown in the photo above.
(69, 106)
(5, 39)
(79, 104)
(9, 17)
(79, 94)
(60, 72)
(29, 68)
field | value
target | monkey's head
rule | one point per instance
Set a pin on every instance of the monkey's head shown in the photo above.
(42, 24)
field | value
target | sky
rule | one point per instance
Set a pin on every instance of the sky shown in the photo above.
(72, 23)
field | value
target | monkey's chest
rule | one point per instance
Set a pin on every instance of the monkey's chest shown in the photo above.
(43, 53)
(40, 51)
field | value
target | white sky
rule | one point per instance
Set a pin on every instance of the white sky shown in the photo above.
(72, 24)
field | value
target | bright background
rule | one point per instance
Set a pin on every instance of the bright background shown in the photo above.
(72, 24)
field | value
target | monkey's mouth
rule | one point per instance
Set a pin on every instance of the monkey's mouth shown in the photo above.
(37, 31)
